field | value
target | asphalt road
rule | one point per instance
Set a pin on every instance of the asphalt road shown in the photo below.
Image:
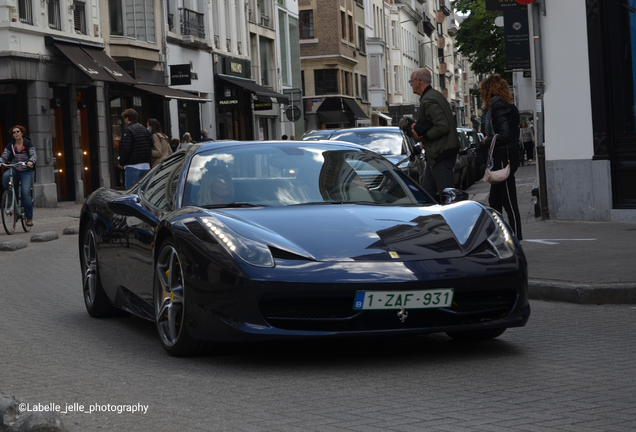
(570, 369)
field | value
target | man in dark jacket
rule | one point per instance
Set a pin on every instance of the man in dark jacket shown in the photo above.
(135, 148)
(440, 142)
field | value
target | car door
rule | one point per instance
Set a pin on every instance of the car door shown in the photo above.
(157, 196)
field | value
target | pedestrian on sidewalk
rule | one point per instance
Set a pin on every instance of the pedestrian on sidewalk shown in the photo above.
(527, 138)
(160, 143)
(440, 142)
(135, 148)
(21, 149)
(501, 118)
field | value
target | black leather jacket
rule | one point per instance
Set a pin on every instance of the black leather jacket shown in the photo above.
(505, 122)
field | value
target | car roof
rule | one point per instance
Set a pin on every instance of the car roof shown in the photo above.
(206, 146)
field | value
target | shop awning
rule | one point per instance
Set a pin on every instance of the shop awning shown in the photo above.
(355, 108)
(109, 65)
(382, 115)
(333, 117)
(263, 94)
(170, 93)
(92, 60)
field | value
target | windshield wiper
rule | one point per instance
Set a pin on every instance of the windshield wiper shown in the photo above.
(232, 205)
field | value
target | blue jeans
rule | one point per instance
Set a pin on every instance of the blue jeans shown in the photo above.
(132, 175)
(26, 180)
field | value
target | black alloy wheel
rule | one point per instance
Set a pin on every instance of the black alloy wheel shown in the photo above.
(170, 305)
(95, 299)
(9, 215)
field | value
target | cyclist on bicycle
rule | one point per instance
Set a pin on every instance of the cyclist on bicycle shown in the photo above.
(21, 149)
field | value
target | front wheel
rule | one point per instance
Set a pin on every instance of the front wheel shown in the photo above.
(476, 335)
(9, 215)
(170, 305)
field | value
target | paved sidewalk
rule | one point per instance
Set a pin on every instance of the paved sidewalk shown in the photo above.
(571, 261)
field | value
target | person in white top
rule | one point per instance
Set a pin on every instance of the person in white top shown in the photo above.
(527, 138)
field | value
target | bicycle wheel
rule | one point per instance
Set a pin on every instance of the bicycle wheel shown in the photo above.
(9, 215)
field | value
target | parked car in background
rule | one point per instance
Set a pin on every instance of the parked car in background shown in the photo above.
(465, 169)
(474, 140)
(390, 142)
(314, 135)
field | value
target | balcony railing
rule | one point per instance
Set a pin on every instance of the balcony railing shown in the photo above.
(192, 23)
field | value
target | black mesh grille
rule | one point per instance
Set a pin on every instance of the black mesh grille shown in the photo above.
(307, 308)
(467, 302)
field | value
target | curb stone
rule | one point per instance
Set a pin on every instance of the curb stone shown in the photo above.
(12, 245)
(71, 230)
(616, 293)
(44, 237)
(11, 419)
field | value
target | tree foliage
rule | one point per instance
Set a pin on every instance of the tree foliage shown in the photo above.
(479, 39)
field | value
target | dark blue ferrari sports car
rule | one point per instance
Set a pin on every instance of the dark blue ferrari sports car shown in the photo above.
(240, 241)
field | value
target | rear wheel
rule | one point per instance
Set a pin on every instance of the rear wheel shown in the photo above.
(9, 215)
(95, 299)
(170, 305)
(476, 335)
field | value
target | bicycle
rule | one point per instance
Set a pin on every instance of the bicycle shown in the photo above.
(12, 206)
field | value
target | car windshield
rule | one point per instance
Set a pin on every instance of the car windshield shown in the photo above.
(280, 174)
(387, 141)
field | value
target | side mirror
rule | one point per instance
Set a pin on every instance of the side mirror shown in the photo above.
(130, 205)
(452, 195)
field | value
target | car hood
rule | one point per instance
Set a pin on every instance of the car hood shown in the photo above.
(351, 232)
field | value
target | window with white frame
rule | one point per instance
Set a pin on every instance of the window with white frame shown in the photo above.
(79, 17)
(25, 11)
(285, 69)
(53, 9)
(133, 19)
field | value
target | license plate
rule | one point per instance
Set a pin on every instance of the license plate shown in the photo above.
(390, 300)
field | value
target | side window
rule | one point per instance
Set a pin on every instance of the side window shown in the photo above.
(161, 188)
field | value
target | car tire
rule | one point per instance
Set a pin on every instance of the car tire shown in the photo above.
(95, 299)
(476, 335)
(169, 303)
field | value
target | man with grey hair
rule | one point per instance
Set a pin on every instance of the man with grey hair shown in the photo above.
(440, 143)
(204, 136)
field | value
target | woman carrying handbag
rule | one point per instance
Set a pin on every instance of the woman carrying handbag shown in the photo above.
(501, 118)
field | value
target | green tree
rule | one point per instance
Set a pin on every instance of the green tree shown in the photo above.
(479, 39)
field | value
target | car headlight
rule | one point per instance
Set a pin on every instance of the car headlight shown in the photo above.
(250, 251)
(501, 239)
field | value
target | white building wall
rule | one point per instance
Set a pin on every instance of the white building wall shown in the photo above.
(567, 100)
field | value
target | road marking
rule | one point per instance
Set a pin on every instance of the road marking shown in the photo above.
(555, 241)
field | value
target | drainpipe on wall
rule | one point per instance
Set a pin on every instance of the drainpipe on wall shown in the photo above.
(538, 7)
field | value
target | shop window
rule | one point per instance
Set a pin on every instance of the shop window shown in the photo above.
(307, 24)
(133, 19)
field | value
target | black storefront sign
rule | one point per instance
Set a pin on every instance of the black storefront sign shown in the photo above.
(499, 5)
(262, 106)
(180, 74)
(236, 67)
(517, 39)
